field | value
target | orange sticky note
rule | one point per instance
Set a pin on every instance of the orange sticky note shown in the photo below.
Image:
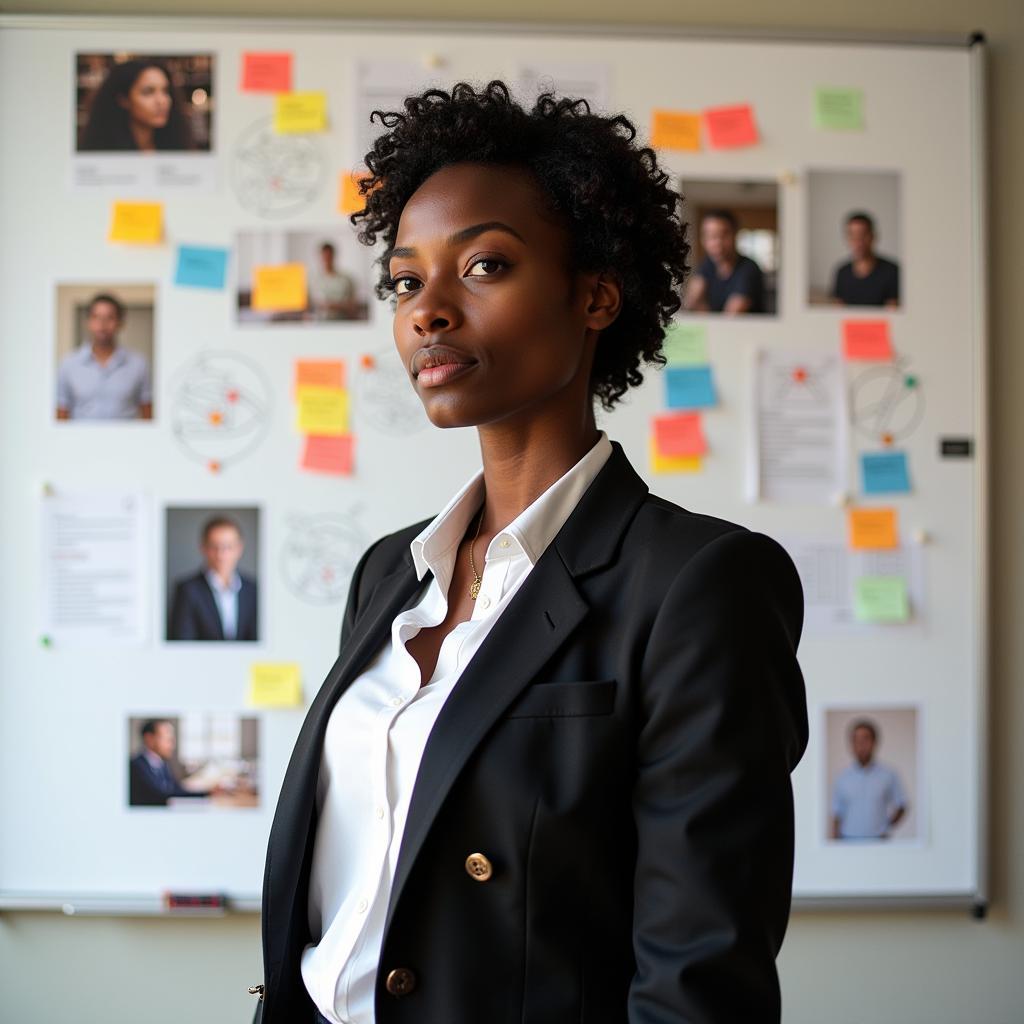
(873, 528)
(867, 339)
(266, 72)
(279, 288)
(141, 223)
(731, 127)
(672, 463)
(349, 199)
(675, 129)
(325, 454)
(679, 434)
(319, 373)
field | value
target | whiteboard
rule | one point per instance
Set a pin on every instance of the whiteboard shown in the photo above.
(69, 837)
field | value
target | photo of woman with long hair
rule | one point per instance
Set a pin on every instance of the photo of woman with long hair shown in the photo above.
(140, 104)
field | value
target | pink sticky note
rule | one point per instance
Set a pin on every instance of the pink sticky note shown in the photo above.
(266, 72)
(679, 434)
(328, 454)
(731, 127)
(867, 339)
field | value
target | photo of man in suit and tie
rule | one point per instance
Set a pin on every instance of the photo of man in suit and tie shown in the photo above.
(219, 601)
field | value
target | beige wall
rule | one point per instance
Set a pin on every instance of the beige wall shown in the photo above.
(921, 968)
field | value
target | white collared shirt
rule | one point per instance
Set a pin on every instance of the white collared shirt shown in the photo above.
(226, 596)
(379, 727)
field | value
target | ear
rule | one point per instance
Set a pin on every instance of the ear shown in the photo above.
(604, 299)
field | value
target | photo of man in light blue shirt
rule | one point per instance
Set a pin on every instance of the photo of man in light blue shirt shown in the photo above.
(867, 798)
(101, 380)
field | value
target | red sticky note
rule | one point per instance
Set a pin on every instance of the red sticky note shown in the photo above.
(679, 434)
(867, 339)
(328, 454)
(266, 72)
(731, 127)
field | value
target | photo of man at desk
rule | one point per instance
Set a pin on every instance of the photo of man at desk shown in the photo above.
(102, 379)
(219, 602)
(193, 760)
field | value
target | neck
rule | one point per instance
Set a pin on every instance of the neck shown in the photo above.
(102, 347)
(726, 262)
(521, 461)
(143, 136)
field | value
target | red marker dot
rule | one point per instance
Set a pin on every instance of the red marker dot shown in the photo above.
(214, 466)
(799, 375)
(887, 440)
(367, 362)
(232, 395)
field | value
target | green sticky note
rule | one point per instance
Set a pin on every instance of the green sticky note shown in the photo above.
(686, 344)
(881, 599)
(839, 110)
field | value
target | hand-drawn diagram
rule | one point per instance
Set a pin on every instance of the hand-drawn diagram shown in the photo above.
(220, 408)
(319, 554)
(276, 175)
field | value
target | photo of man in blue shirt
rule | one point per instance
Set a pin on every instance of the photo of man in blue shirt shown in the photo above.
(868, 799)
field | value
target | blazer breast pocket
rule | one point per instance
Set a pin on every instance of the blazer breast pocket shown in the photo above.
(565, 700)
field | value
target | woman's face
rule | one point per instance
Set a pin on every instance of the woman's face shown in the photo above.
(149, 99)
(489, 323)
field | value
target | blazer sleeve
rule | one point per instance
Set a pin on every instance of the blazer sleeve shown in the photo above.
(355, 590)
(723, 723)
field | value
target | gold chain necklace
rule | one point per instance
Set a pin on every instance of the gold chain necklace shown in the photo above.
(474, 587)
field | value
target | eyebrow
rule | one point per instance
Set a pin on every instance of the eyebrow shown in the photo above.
(457, 238)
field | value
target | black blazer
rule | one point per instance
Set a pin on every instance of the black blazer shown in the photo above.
(619, 749)
(195, 615)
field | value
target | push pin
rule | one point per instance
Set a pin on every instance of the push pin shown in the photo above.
(841, 499)
(367, 362)
(800, 375)
(921, 536)
(788, 178)
(433, 60)
(910, 381)
(213, 466)
(887, 440)
(48, 490)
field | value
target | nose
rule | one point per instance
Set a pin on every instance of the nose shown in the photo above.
(434, 311)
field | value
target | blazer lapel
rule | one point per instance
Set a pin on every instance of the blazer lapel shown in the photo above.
(210, 609)
(538, 620)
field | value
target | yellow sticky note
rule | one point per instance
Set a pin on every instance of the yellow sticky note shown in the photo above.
(672, 463)
(279, 288)
(137, 222)
(275, 684)
(298, 113)
(675, 129)
(322, 410)
(872, 528)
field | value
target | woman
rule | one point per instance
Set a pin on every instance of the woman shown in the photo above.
(137, 107)
(547, 779)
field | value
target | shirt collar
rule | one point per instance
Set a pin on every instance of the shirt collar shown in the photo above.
(117, 357)
(530, 532)
(214, 580)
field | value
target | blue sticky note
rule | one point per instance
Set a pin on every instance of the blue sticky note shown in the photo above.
(689, 387)
(201, 266)
(885, 472)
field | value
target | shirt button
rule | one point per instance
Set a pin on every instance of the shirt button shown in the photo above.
(396, 702)
(504, 542)
(485, 602)
(361, 906)
(379, 811)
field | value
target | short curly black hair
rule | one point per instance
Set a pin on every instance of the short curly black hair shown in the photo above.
(623, 217)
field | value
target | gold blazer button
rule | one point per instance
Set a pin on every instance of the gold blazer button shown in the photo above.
(479, 867)
(400, 982)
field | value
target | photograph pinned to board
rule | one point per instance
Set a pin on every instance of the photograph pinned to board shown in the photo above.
(736, 238)
(212, 558)
(196, 761)
(872, 775)
(103, 352)
(854, 238)
(143, 123)
(301, 276)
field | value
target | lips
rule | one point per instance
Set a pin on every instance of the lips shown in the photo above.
(438, 364)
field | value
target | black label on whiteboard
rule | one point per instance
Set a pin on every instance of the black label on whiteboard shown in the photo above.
(956, 447)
